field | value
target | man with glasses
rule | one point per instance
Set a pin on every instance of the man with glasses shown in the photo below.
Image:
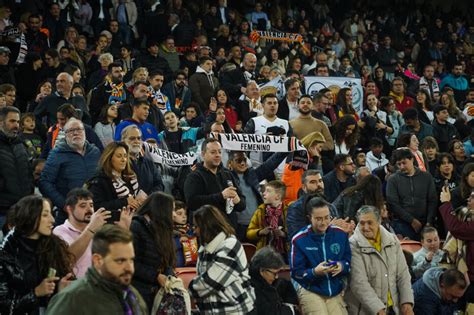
(340, 178)
(68, 166)
(178, 93)
(249, 184)
(320, 259)
(320, 106)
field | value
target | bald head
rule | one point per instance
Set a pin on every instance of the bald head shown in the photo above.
(64, 82)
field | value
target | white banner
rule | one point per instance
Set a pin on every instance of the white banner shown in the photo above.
(314, 84)
(258, 143)
(167, 157)
(275, 86)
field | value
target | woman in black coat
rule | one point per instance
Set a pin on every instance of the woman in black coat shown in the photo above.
(115, 185)
(153, 242)
(264, 269)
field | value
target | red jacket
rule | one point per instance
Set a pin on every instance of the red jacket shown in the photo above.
(462, 231)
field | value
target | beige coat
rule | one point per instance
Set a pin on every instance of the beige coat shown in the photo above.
(374, 273)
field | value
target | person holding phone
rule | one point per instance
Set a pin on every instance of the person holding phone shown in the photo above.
(320, 261)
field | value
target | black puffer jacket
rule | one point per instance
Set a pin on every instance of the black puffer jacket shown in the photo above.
(268, 300)
(19, 276)
(16, 176)
(147, 259)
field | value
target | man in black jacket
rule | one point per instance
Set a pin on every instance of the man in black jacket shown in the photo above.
(234, 81)
(213, 184)
(16, 176)
(154, 62)
(443, 131)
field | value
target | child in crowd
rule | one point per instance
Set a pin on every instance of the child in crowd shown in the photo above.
(376, 157)
(31, 140)
(430, 254)
(186, 242)
(268, 224)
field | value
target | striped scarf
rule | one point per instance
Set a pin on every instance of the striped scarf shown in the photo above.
(272, 218)
(125, 188)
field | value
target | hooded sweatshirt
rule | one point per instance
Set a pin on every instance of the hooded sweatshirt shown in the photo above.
(372, 162)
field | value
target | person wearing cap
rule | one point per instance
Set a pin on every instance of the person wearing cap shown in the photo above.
(7, 75)
(443, 131)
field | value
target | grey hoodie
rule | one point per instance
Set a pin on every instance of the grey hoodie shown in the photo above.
(431, 279)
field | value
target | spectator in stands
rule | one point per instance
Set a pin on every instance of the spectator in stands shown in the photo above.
(346, 135)
(234, 81)
(456, 149)
(203, 83)
(320, 274)
(168, 52)
(112, 90)
(105, 127)
(159, 102)
(340, 178)
(410, 141)
(428, 82)
(398, 94)
(382, 83)
(37, 41)
(367, 191)
(148, 175)
(28, 253)
(305, 124)
(445, 174)
(264, 269)
(320, 106)
(414, 125)
(223, 283)
(140, 114)
(153, 242)
(50, 104)
(377, 256)
(375, 157)
(457, 82)
(443, 131)
(268, 224)
(466, 186)
(53, 65)
(178, 93)
(430, 149)
(288, 106)
(251, 104)
(15, 169)
(177, 139)
(411, 213)
(68, 166)
(106, 288)
(429, 255)
(115, 185)
(439, 291)
(152, 61)
(387, 58)
(204, 186)
(105, 59)
(424, 106)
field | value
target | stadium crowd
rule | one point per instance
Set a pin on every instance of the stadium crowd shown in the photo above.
(120, 168)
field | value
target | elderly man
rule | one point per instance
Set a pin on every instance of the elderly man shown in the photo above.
(68, 166)
(50, 104)
(148, 176)
(380, 282)
(234, 81)
(250, 106)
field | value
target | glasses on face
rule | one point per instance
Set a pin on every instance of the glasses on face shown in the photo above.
(74, 130)
(240, 160)
(134, 138)
(458, 146)
(275, 274)
(349, 163)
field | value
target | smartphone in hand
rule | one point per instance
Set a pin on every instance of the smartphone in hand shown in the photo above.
(114, 217)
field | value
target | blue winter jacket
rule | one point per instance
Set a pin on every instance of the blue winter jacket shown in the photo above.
(66, 169)
(309, 249)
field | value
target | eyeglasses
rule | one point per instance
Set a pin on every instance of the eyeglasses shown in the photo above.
(275, 274)
(134, 138)
(74, 130)
(240, 160)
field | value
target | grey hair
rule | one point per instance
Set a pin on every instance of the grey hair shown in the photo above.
(106, 56)
(70, 121)
(68, 77)
(125, 131)
(310, 172)
(369, 209)
(266, 258)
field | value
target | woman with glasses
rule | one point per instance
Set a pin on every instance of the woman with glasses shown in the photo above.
(222, 285)
(264, 269)
(456, 149)
(320, 260)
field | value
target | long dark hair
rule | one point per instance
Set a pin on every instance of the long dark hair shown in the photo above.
(341, 102)
(465, 188)
(159, 208)
(428, 102)
(371, 188)
(340, 131)
(52, 251)
(211, 222)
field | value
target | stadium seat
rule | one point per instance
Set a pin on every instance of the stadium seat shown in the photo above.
(410, 246)
(250, 250)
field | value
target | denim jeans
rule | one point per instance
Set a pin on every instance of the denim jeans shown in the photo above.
(405, 229)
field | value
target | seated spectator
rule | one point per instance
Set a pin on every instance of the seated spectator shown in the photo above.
(182, 232)
(457, 82)
(379, 280)
(456, 149)
(28, 254)
(439, 291)
(367, 191)
(264, 269)
(105, 127)
(346, 134)
(429, 255)
(410, 141)
(340, 178)
(140, 113)
(414, 125)
(192, 116)
(152, 229)
(222, 284)
(375, 157)
(320, 274)
(430, 149)
(443, 131)
(268, 224)
(68, 166)
(115, 185)
(461, 193)
(106, 288)
(32, 141)
(177, 139)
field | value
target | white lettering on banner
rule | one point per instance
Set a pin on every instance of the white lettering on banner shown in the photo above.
(259, 143)
(315, 84)
(161, 156)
